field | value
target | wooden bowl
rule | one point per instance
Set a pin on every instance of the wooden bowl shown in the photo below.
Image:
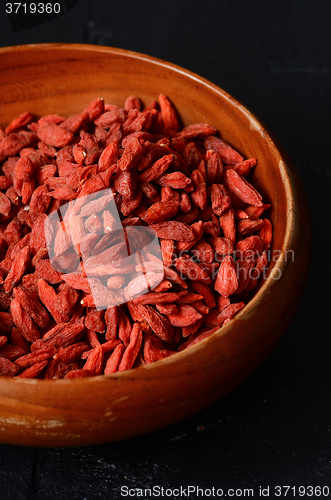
(58, 78)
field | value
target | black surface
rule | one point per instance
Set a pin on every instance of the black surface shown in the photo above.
(275, 428)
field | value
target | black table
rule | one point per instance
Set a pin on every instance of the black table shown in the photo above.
(274, 429)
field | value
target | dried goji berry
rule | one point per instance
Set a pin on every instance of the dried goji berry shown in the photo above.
(226, 281)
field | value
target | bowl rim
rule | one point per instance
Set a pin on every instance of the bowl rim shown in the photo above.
(292, 219)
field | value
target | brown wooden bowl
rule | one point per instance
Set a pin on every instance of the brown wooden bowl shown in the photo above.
(58, 78)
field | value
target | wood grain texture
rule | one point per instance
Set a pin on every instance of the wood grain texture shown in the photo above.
(62, 79)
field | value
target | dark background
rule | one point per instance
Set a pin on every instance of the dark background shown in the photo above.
(274, 429)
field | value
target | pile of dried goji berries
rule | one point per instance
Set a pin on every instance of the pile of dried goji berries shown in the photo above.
(188, 185)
